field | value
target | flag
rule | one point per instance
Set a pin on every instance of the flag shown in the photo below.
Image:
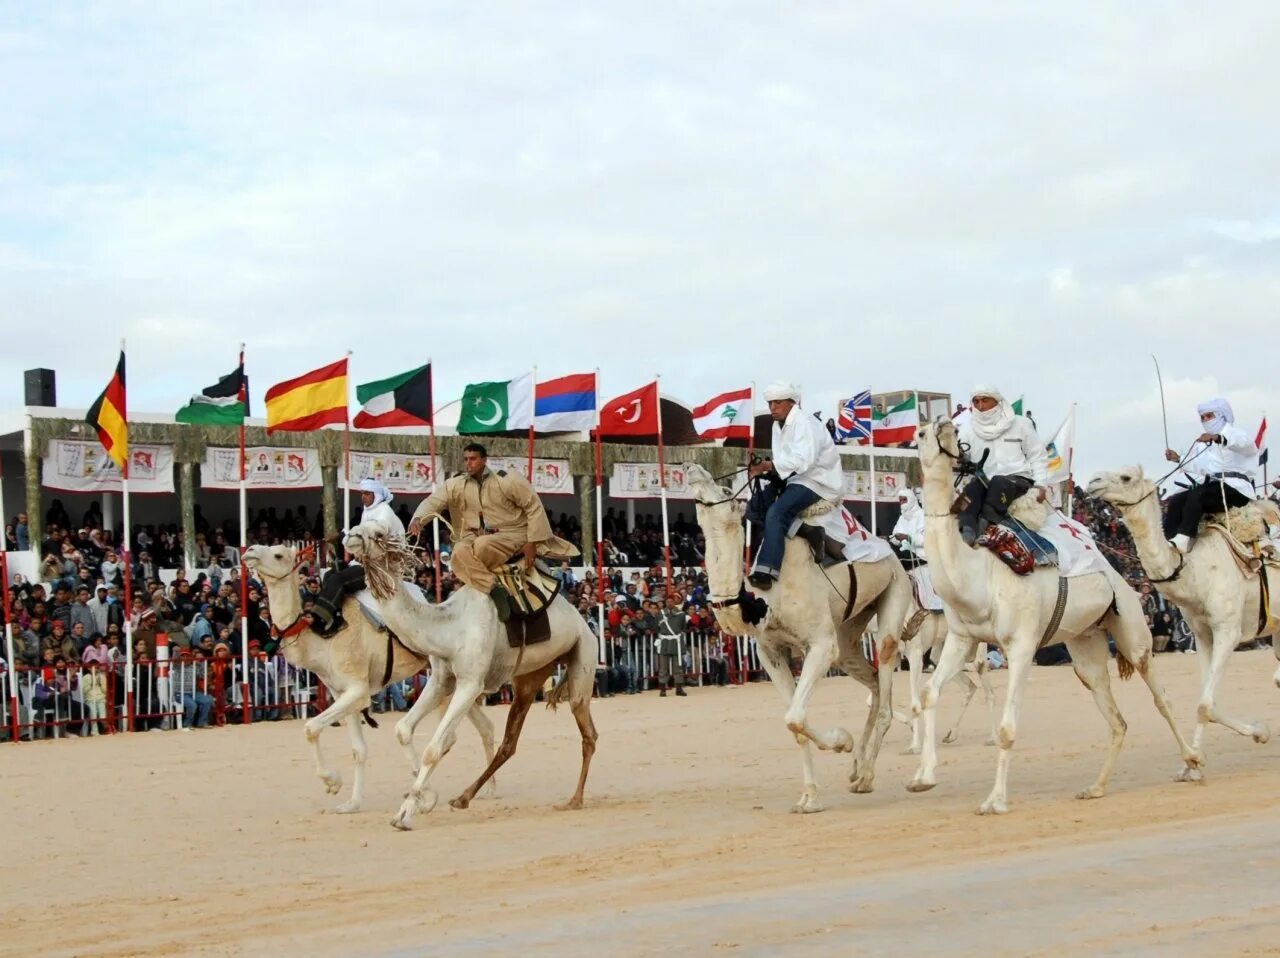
(108, 416)
(403, 400)
(225, 403)
(631, 414)
(315, 399)
(727, 416)
(1017, 406)
(899, 424)
(565, 404)
(854, 420)
(498, 406)
(1060, 449)
(1261, 442)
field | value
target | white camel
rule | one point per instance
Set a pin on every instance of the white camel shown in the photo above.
(1220, 602)
(810, 612)
(351, 664)
(465, 634)
(924, 634)
(986, 601)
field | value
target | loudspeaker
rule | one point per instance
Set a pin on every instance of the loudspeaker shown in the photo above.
(41, 387)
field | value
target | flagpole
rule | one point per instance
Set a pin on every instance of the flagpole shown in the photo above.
(662, 486)
(247, 716)
(871, 458)
(751, 451)
(8, 647)
(599, 524)
(346, 461)
(435, 520)
(1265, 462)
(127, 542)
(533, 388)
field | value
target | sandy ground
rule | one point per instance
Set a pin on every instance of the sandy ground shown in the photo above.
(223, 843)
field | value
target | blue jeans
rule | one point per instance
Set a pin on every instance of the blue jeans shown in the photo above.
(196, 709)
(782, 512)
(397, 697)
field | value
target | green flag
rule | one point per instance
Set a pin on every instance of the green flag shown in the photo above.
(225, 403)
(497, 406)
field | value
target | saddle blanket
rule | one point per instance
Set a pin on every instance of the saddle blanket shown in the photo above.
(369, 605)
(922, 583)
(857, 544)
(1078, 554)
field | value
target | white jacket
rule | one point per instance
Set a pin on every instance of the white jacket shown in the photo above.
(382, 514)
(1018, 451)
(1238, 454)
(804, 453)
(911, 525)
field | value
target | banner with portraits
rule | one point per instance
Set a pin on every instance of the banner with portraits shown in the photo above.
(409, 474)
(73, 466)
(551, 477)
(270, 467)
(640, 480)
(857, 486)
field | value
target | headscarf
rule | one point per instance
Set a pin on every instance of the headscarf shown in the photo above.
(779, 390)
(1222, 415)
(912, 505)
(995, 422)
(380, 492)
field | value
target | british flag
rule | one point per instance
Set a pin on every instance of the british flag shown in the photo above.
(854, 422)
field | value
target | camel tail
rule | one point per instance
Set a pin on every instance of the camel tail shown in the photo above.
(1124, 667)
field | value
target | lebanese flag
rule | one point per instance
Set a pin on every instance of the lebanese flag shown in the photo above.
(727, 416)
(631, 414)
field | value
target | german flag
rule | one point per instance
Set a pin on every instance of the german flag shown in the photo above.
(313, 400)
(108, 416)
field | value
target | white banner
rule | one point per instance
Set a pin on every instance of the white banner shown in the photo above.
(270, 467)
(857, 486)
(551, 477)
(401, 474)
(73, 466)
(640, 480)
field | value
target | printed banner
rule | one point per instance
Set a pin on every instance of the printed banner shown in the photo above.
(551, 477)
(401, 474)
(270, 467)
(73, 466)
(857, 486)
(640, 480)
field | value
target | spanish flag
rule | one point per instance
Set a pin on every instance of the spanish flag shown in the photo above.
(315, 399)
(107, 415)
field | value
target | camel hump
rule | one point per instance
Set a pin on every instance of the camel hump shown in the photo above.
(1246, 524)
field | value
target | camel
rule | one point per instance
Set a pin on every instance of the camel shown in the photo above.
(986, 601)
(808, 613)
(926, 637)
(352, 665)
(465, 634)
(1220, 602)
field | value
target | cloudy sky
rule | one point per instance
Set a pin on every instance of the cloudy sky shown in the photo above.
(875, 195)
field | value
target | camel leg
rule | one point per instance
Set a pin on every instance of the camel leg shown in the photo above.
(525, 688)
(915, 677)
(970, 687)
(817, 662)
(989, 691)
(484, 728)
(883, 714)
(1090, 657)
(421, 798)
(1224, 643)
(346, 703)
(433, 694)
(855, 665)
(587, 728)
(360, 753)
(955, 651)
(1020, 652)
(779, 669)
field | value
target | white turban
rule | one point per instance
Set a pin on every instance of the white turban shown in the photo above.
(1222, 415)
(779, 390)
(380, 492)
(911, 505)
(995, 422)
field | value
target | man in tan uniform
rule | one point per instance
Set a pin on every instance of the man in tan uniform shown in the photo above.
(494, 515)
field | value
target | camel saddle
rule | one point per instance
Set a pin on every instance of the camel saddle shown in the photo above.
(530, 591)
(1018, 547)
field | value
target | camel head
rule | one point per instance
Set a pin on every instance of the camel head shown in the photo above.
(939, 445)
(365, 541)
(717, 508)
(271, 562)
(1124, 487)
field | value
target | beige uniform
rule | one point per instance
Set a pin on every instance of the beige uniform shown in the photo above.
(492, 518)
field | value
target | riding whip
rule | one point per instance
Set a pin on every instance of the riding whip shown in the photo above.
(1164, 415)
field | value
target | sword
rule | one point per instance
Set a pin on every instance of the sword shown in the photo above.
(1164, 415)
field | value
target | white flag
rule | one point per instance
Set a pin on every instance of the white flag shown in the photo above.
(1060, 449)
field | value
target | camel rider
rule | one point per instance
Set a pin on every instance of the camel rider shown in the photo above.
(495, 516)
(908, 531)
(1012, 457)
(806, 461)
(326, 614)
(1224, 459)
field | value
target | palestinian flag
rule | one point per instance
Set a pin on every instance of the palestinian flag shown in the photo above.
(225, 403)
(108, 416)
(403, 400)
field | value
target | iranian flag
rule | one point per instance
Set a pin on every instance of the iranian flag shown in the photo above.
(497, 407)
(898, 424)
(727, 416)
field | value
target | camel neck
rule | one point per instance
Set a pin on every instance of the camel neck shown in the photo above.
(953, 565)
(1159, 558)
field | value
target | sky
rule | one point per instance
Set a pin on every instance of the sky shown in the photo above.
(874, 195)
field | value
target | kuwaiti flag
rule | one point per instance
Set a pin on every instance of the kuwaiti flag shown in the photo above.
(727, 416)
(403, 400)
(898, 424)
(497, 406)
(566, 404)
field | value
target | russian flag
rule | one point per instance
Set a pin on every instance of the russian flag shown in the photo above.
(567, 404)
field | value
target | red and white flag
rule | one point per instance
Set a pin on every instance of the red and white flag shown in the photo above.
(727, 416)
(631, 414)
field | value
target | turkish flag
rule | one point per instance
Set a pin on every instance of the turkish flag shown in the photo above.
(631, 414)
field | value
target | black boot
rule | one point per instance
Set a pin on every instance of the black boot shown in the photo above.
(502, 601)
(680, 692)
(817, 539)
(761, 580)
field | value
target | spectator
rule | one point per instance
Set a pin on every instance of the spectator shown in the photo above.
(671, 629)
(81, 614)
(196, 702)
(93, 688)
(22, 532)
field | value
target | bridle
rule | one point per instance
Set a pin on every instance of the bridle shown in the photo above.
(300, 623)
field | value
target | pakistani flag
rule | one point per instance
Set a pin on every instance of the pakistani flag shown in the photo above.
(225, 403)
(403, 400)
(497, 407)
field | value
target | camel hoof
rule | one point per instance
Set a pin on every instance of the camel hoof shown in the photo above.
(806, 807)
(1093, 791)
(1261, 733)
(991, 742)
(403, 821)
(913, 749)
(461, 802)
(347, 808)
(1190, 773)
(918, 786)
(332, 783)
(990, 807)
(572, 805)
(950, 738)
(862, 787)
